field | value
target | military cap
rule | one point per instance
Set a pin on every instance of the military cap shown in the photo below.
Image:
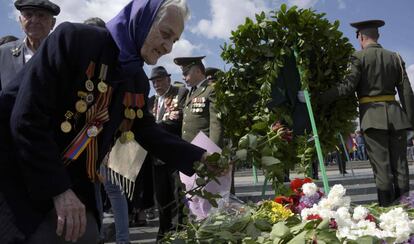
(158, 72)
(187, 62)
(368, 24)
(211, 71)
(178, 84)
(39, 4)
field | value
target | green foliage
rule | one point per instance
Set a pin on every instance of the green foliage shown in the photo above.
(257, 52)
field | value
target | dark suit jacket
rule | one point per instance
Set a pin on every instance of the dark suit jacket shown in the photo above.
(11, 61)
(171, 113)
(33, 106)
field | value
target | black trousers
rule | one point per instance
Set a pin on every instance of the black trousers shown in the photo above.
(167, 187)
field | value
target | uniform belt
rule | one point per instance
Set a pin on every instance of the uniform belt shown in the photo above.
(380, 98)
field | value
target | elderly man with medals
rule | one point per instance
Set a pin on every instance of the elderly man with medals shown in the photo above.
(51, 146)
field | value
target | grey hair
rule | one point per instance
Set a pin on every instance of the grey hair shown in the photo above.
(180, 4)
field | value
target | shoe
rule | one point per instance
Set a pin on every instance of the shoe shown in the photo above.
(137, 219)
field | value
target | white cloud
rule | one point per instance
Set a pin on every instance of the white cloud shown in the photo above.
(410, 73)
(226, 16)
(303, 3)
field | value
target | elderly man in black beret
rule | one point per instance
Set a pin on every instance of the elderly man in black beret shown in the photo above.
(37, 20)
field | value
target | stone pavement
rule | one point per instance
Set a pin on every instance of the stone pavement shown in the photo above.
(360, 187)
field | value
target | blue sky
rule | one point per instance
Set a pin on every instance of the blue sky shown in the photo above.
(212, 21)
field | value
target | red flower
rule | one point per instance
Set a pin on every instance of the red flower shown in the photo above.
(333, 224)
(370, 217)
(295, 184)
(283, 200)
(313, 216)
(307, 180)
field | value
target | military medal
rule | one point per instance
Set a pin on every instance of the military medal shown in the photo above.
(129, 113)
(89, 86)
(127, 136)
(89, 98)
(92, 131)
(140, 102)
(102, 86)
(140, 113)
(66, 126)
(81, 106)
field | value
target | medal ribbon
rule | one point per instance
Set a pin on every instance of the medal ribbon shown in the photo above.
(90, 70)
(140, 101)
(96, 116)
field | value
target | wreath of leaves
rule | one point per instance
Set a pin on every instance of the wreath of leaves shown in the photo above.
(257, 52)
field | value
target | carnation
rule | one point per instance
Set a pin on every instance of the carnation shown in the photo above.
(360, 213)
(309, 189)
(396, 224)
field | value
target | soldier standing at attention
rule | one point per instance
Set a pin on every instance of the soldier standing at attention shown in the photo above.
(36, 19)
(374, 74)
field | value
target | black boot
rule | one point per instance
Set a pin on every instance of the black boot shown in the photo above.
(385, 198)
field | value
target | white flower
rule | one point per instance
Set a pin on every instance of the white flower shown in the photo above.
(309, 189)
(396, 224)
(360, 213)
(337, 191)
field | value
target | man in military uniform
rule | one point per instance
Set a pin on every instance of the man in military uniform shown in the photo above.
(200, 113)
(167, 108)
(36, 19)
(374, 74)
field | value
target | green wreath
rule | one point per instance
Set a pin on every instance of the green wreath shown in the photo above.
(260, 52)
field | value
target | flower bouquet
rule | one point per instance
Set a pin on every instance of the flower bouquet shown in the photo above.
(306, 215)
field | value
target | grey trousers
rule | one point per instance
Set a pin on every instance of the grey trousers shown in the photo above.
(46, 232)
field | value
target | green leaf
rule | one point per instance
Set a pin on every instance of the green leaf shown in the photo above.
(241, 154)
(269, 161)
(213, 157)
(299, 239)
(279, 230)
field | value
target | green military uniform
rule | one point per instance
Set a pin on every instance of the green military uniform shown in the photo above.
(200, 113)
(374, 74)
